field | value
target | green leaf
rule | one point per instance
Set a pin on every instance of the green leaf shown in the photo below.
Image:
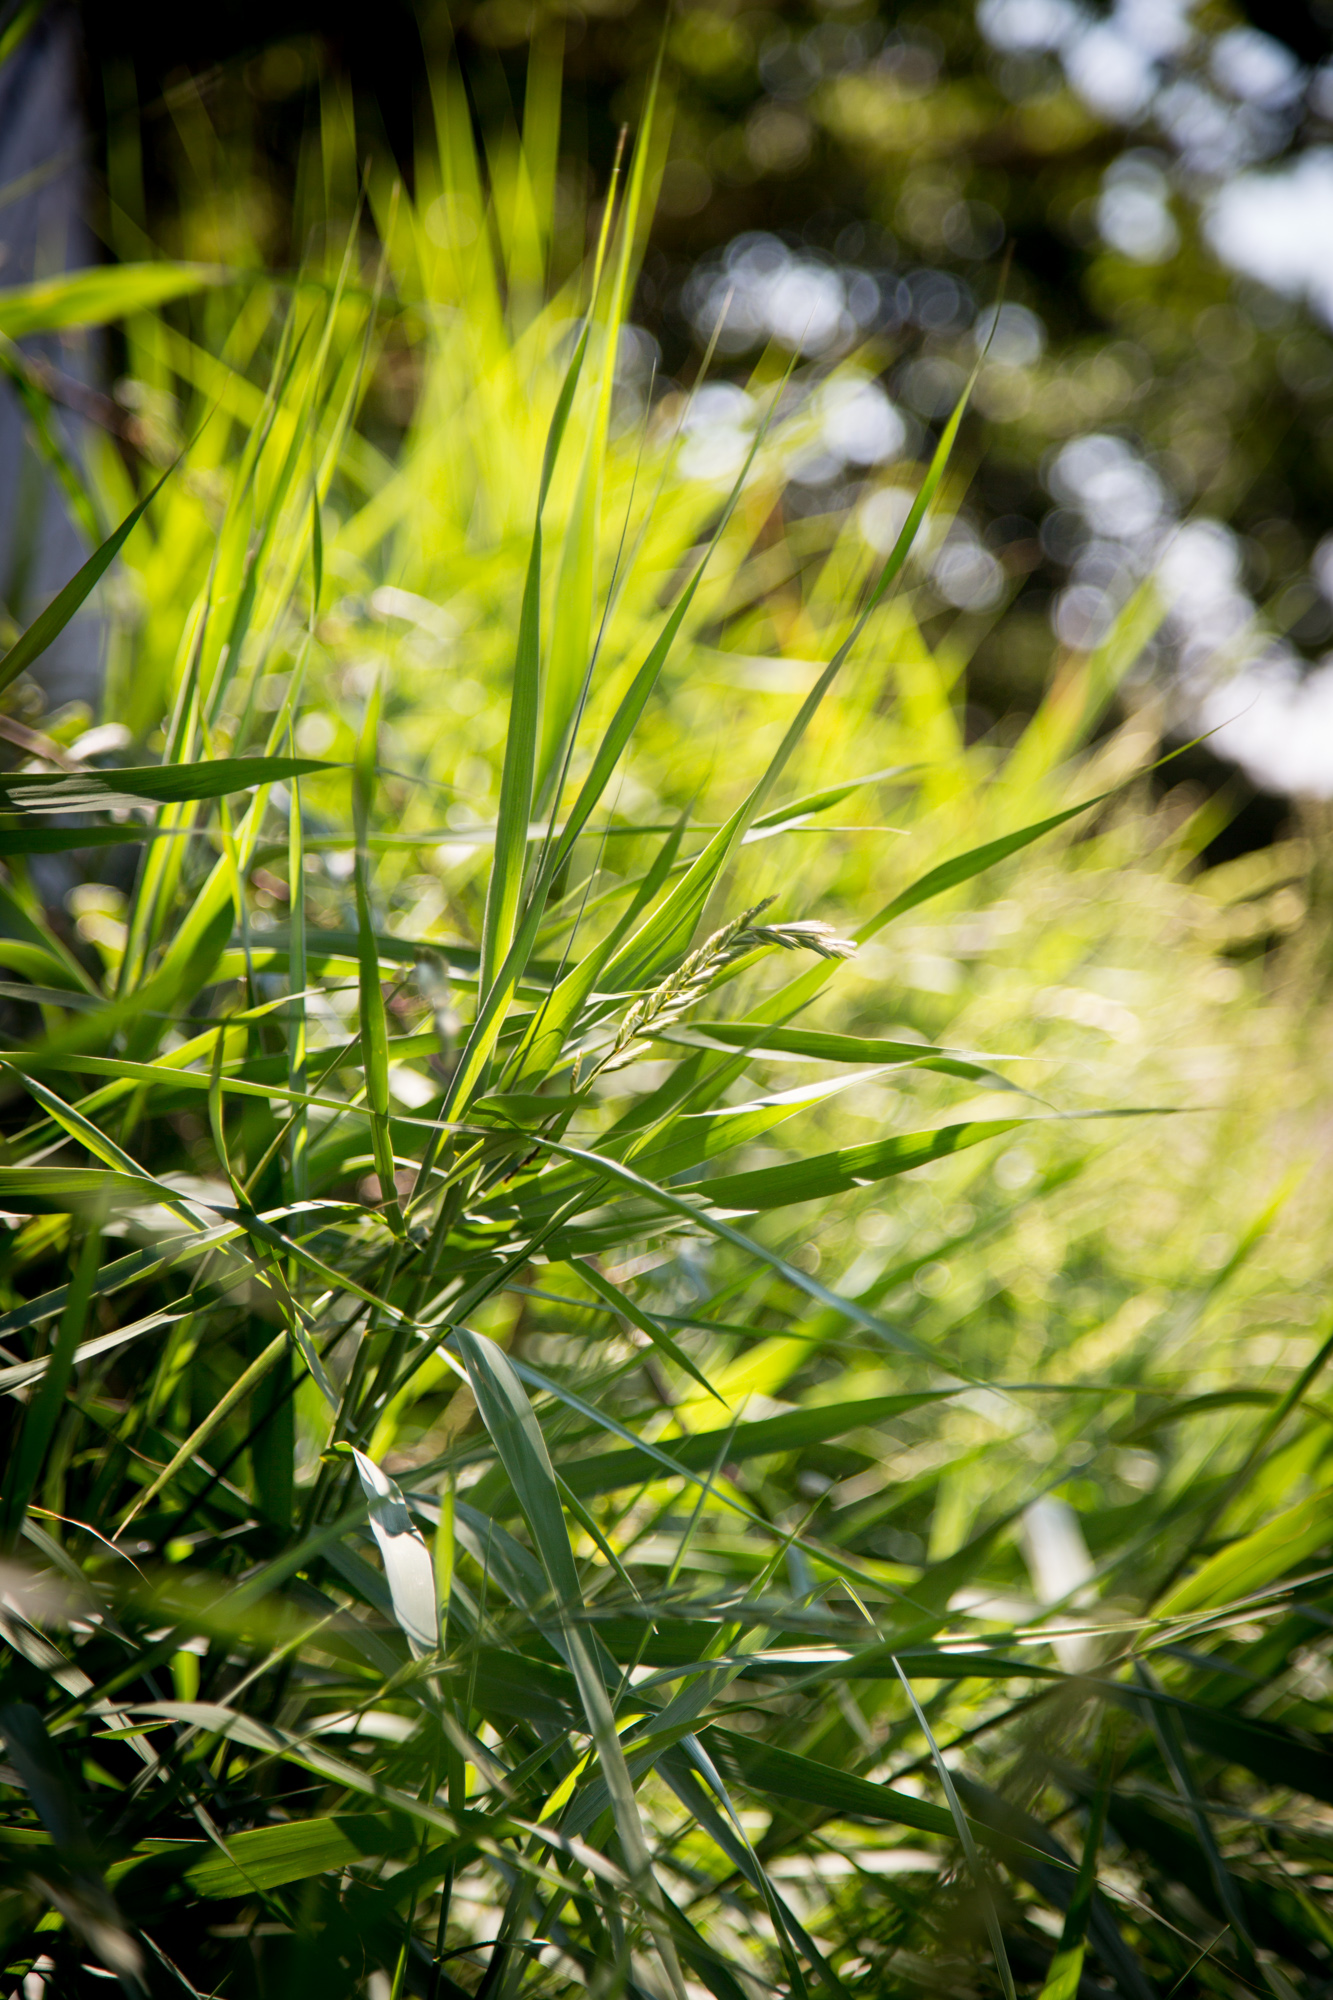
(159, 784)
(757, 1038)
(51, 623)
(965, 867)
(516, 1434)
(851, 1166)
(66, 839)
(268, 1857)
(407, 1564)
(101, 293)
(41, 1190)
(1255, 1560)
(520, 758)
(781, 1774)
(792, 1431)
(968, 1843)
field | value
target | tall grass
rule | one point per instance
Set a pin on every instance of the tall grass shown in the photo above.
(662, 1328)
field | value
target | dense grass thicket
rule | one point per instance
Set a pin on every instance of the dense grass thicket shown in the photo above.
(662, 1328)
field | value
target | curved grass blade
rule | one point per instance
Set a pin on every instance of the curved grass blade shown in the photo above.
(407, 1565)
(853, 1166)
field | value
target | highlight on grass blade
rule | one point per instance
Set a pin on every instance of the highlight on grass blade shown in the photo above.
(408, 1569)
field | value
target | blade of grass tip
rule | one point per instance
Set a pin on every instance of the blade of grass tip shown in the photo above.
(969, 1845)
(514, 817)
(571, 626)
(51, 623)
(44, 1410)
(374, 1029)
(635, 1314)
(408, 1569)
(571, 659)
(198, 1438)
(1066, 1968)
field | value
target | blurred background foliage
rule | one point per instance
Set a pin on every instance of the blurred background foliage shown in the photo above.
(852, 178)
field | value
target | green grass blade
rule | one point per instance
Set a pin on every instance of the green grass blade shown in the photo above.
(374, 1026)
(51, 623)
(45, 1408)
(968, 1843)
(161, 784)
(517, 1437)
(94, 296)
(1066, 1967)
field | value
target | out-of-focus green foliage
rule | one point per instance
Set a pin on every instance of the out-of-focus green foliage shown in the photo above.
(854, 176)
(854, 1422)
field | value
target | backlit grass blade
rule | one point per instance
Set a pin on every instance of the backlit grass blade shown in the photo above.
(101, 293)
(296, 985)
(756, 1039)
(374, 1029)
(1252, 1561)
(519, 767)
(572, 624)
(605, 759)
(49, 624)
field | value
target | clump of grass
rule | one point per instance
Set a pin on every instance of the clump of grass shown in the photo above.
(482, 1517)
